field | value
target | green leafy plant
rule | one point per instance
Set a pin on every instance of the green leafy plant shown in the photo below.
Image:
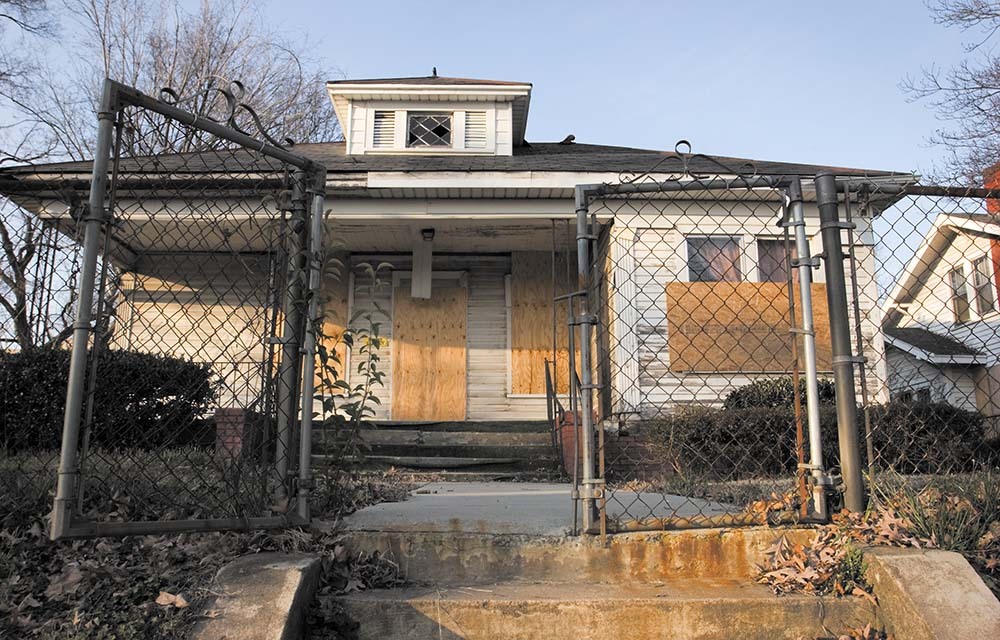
(347, 408)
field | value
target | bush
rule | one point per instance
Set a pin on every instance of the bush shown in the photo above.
(931, 437)
(141, 400)
(733, 444)
(759, 441)
(776, 392)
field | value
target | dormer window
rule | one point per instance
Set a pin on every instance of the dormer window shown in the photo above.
(428, 130)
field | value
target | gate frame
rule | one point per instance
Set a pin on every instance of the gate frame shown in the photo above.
(593, 493)
(309, 182)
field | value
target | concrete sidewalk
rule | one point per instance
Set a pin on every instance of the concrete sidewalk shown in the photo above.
(533, 508)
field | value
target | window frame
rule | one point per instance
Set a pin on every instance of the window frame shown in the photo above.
(775, 239)
(429, 113)
(959, 292)
(741, 271)
(989, 284)
(457, 109)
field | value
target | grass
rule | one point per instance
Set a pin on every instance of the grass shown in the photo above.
(107, 588)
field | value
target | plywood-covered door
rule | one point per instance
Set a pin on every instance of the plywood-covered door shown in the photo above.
(429, 359)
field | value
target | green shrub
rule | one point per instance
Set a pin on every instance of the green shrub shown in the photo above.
(733, 444)
(759, 441)
(930, 437)
(141, 400)
(775, 392)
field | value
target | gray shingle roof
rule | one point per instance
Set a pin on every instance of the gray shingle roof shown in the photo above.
(930, 342)
(530, 157)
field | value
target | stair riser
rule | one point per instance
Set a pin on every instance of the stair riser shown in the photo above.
(651, 558)
(468, 425)
(530, 452)
(713, 619)
(439, 438)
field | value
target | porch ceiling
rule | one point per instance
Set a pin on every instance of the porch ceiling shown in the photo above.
(450, 235)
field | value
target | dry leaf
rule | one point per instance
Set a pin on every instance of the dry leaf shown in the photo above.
(66, 583)
(166, 599)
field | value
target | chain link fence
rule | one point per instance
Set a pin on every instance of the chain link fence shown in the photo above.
(931, 412)
(718, 344)
(173, 307)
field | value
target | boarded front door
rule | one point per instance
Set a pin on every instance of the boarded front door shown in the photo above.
(428, 361)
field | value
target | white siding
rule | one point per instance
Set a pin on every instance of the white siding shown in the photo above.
(955, 385)
(654, 239)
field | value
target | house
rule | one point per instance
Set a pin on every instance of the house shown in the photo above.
(942, 317)
(436, 177)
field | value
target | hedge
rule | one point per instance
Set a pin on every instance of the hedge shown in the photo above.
(141, 400)
(753, 435)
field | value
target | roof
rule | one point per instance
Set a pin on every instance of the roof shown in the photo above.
(923, 344)
(433, 80)
(932, 249)
(930, 342)
(548, 156)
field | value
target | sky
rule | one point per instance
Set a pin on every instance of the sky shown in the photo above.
(787, 81)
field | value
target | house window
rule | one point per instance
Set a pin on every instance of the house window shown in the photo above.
(982, 281)
(959, 295)
(772, 263)
(428, 130)
(714, 258)
(915, 396)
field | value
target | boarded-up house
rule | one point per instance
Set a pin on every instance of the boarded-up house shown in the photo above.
(435, 177)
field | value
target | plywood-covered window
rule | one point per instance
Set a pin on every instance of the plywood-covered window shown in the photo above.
(714, 259)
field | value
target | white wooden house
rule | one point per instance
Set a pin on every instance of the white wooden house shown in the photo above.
(943, 318)
(435, 176)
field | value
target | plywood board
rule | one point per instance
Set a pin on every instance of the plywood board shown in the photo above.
(429, 354)
(738, 326)
(531, 320)
(335, 322)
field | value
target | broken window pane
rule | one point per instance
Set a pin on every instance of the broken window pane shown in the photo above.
(428, 130)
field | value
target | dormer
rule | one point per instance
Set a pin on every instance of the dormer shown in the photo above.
(431, 115)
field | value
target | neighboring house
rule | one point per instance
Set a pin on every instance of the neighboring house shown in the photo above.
(942, 317)
(438, 170)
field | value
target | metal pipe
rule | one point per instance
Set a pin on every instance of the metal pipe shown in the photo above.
(314, 319)
(585, 321)
(804, 265)
(288, 370)
(840, 339)
(68, 460)
(163, 527)
(129, 95)
(736, 182)
(862, 371)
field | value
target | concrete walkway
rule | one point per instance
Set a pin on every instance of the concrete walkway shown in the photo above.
(534, 508)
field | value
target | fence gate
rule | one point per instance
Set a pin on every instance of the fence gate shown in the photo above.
(186, 376)
(706, 324)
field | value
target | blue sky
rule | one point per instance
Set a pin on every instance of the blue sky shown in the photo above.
(796, 81)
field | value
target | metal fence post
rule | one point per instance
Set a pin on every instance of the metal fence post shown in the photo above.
(314, 320)
(82, 327)
(585, 320)
(288, 369)
(840, 336)
(804, 264)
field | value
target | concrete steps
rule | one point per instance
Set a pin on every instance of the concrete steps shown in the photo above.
(694, 585)
(495, 447)
(690, 610)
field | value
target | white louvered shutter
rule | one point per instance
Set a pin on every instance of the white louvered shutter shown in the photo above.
(384, 130)
(475, 129)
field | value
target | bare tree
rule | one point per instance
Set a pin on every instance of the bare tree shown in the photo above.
(966, 96)
(149, 46)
